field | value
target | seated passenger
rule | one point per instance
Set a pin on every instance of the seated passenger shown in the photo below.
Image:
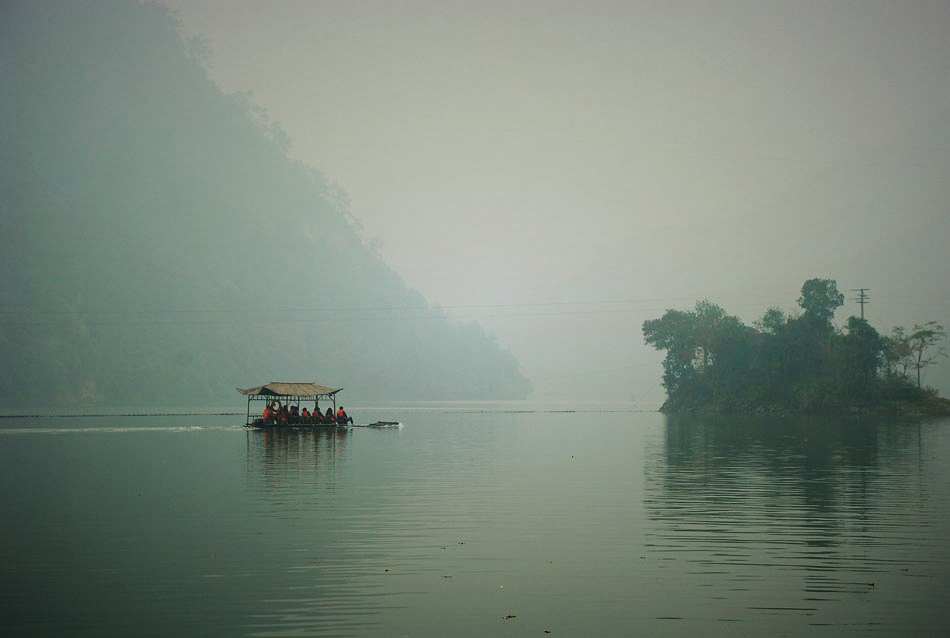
(328, 418)
(342, 418)
(305, 413)
(268, 415)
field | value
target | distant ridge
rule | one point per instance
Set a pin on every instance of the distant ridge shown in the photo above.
(132, 188)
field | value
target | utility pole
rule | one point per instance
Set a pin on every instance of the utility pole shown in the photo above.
(862, 298)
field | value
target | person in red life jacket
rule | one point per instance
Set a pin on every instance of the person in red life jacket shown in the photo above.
(305, 413)
(283, 414)
(329, 418)
(268, 415)
(341, 417)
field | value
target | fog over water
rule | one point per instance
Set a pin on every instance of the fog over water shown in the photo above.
(473, 217)
(562, 172)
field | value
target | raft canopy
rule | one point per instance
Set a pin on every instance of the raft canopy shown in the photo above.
(289, 392)
(304, 391)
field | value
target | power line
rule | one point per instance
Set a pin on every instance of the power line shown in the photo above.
(24, 311)
(458, 312)
(10, 310)
(244, 319)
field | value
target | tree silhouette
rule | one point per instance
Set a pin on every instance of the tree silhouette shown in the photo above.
(926, 345)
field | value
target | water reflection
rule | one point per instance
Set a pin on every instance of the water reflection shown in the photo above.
(811, 510)
(314, 579)
(620, 525)
(278, 456)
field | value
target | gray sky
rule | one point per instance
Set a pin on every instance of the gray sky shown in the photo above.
(505, 154)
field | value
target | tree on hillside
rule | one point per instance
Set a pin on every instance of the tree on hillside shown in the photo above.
(819, 299)
(772, 321)
(860, 354)
(701, 346)
(707, 318)
(674, 333)
(926, 345)
(898, 356)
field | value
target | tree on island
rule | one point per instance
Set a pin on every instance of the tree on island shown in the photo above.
(920, 349)
(819, 300)
(926, 345)
(784, 363)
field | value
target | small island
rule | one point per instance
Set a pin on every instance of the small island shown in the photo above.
(795, 364)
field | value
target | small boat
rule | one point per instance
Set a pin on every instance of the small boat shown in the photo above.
(295, 393)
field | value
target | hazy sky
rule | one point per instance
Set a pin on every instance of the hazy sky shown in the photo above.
(608, 160)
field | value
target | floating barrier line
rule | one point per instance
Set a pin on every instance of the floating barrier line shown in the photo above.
(127, 414)
(443, 410)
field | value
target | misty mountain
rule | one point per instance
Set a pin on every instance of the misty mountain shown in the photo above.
(162, 248)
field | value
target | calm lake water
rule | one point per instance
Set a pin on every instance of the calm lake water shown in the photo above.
(588, 524)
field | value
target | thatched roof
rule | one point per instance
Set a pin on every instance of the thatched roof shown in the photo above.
(291, 390)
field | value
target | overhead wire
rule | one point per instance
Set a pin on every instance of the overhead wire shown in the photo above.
(422, 316)
(269, 316)
(429, 307)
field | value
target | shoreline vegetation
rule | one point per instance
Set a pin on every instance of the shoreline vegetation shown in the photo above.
(786, 364)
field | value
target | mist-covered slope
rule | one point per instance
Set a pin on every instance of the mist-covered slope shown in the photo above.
(161, 248)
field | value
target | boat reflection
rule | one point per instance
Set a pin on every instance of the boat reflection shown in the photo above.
(281, 455)
(313, 575)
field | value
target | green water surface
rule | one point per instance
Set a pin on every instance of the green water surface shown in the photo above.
(475, 522)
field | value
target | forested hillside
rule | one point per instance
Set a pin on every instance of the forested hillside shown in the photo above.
(161, 248)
